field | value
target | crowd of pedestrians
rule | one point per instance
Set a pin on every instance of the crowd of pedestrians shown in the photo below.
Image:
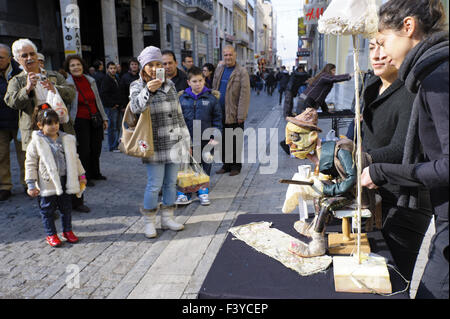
(59, 158)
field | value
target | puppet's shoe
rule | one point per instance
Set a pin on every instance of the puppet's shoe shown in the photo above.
(303, 228)
(315, 248)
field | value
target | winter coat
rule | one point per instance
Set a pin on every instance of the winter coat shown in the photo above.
(386, 118)
(319, 90)
(283, 79)
(9, 118)
(109, 92)
(171, 137)
(296, 80)
(124, 86)
(425, 71)
(17, 98)
(98, 101)
(237, 97)
(40, 165)
(205, 108)
(180, 81)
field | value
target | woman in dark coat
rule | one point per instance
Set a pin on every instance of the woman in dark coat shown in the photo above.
(318, 88)
(411, 32)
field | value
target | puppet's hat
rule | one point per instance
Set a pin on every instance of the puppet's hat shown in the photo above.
(308, 119)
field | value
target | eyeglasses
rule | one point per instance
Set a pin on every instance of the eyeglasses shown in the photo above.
(25, 55)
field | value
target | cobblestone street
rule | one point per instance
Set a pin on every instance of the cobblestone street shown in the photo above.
(113, 258)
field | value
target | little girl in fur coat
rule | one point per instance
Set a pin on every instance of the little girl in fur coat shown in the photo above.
(53, 171)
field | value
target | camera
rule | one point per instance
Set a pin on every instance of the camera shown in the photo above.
(42, 77)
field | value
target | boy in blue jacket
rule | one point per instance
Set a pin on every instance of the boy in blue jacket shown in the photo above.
(202, 104)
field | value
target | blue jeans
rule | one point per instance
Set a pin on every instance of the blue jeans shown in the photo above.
(49, 204)
(161, 176)
(113, 128)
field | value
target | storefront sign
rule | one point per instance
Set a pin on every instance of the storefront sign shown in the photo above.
(312, 12)
(70, 18)
(301, 27)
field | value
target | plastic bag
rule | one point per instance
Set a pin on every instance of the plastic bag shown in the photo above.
(57, 104)
(191, 177)
(349, 17)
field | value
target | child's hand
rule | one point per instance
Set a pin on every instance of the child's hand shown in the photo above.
(33, 192)
(82, 179)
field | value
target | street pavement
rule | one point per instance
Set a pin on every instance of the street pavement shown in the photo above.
(113, 258)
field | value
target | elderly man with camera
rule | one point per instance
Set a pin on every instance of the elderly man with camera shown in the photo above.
(30, 87)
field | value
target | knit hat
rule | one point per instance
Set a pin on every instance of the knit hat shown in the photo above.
(308, 119)
(149, 54)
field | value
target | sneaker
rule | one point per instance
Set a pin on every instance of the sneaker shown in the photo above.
(182, 199)
(204, 197)
(116, 150)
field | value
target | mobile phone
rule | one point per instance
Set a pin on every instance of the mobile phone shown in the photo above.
(160, 74)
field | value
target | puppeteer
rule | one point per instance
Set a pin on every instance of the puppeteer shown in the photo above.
(333, 158)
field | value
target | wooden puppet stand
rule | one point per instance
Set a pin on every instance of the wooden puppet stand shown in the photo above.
(345, 243)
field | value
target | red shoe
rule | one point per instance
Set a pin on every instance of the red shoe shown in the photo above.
(53, 241)
(70, 236)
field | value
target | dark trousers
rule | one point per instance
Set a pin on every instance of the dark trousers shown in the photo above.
(434, 282)
(281, 90)
(403, 231)
(89, 147)
(232, 148)
(288, 103)
(302, 104)
(48, 205)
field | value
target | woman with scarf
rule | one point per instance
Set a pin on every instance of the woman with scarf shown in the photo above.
(412, 34)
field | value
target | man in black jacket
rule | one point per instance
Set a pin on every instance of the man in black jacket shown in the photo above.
(9, 125)
(173, 73)
(283, 79)
(297, 79)
(125, 81)
(111, 99)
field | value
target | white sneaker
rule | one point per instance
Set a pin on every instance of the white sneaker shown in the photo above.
(182, 199)
(204, 199)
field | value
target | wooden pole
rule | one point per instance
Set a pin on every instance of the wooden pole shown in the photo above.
(358, 140)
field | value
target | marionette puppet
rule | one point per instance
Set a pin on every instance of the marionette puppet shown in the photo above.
(332, 159)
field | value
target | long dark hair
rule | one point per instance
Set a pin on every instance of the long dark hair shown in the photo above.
(44, 115)
(210, 68)
(327, 69)
(429, 15)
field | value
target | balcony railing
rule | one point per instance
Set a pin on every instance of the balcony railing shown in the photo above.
(199, 9)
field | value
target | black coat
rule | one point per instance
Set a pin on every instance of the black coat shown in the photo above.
(296, 80)
(180, 81)
(9, 118)
(283, 79)
(110, 92)
(124, 86)
(386, 119)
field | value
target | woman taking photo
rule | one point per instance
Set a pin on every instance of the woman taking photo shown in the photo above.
(318, 88)
(412, 34)
(171, 140)
(89, 115)
(208, 72)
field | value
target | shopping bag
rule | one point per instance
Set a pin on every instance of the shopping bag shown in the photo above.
(137, 134)
(57, 104)
(192, 177)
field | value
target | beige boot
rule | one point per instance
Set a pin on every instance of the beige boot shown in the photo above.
(149, 219)
(167, 221)
(315, 248)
